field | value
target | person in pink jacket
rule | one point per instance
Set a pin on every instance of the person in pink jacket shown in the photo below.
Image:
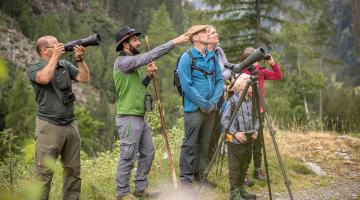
(263, 74)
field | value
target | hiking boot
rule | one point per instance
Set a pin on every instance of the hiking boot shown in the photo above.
(143, 194)
(235, 195)
(259, 174)
(248, 181)
(246, 195)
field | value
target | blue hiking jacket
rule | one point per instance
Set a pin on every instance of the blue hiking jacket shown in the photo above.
(199, 90)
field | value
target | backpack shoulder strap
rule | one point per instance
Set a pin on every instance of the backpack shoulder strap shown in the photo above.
(193, 63)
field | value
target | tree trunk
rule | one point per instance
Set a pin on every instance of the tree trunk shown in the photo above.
(320, 91)
(258, 23)
(355, 5)
(306, 108)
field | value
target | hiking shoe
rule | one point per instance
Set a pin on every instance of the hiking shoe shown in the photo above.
(259, 174)
(248, 181)
(246, 195)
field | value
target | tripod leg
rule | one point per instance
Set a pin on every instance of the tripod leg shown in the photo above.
(262, 141)
(272, 133)
(222, 158)
(220, 161)
(266, 164)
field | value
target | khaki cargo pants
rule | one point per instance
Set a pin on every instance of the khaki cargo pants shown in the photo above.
(54, 140)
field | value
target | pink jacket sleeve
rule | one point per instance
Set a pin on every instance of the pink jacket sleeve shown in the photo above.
(274, 74)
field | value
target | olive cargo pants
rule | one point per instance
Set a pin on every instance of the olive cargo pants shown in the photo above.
(54, 140)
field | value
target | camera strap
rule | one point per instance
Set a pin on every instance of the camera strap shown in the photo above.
(60, 93)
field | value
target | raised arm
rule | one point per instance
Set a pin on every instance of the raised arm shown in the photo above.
(130, 63)
(44, 75)
(83, 75)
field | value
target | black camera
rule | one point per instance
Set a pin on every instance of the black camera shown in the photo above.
(68, 97)
(93, 40)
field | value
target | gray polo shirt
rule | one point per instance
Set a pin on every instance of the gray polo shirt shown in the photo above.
(49, 106)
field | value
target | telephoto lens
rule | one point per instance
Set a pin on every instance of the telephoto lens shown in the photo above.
(93, 40)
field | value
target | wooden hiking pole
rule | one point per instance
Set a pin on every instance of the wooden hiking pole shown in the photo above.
(162, 120)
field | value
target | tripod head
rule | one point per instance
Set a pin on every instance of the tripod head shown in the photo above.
(253, 76)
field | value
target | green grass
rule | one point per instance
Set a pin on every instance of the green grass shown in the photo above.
(98, 173)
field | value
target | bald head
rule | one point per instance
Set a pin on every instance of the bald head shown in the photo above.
(45, 41)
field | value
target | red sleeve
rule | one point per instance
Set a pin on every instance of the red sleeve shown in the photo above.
(274, 74)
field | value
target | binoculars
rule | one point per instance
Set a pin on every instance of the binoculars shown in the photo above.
(93, 40)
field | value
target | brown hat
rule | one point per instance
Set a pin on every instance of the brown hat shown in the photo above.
(195, 29)
(123, 34)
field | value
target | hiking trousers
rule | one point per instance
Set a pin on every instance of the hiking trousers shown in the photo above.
(54, 140)
(135, 144)
(195, 146)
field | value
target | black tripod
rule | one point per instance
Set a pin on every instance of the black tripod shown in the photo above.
(259, 103)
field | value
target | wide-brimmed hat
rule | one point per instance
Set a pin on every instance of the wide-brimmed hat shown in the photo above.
(123, 34)
(196, 28)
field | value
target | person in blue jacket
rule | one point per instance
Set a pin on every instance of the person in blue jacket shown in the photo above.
(202, 85)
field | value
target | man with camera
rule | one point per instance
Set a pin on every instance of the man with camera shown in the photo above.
(202, 84)
(134, 132)
(56, 130)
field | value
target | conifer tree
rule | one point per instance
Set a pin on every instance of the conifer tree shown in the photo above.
(245, 23)
(21, 108)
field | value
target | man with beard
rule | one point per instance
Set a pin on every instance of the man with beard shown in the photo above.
(134, 132)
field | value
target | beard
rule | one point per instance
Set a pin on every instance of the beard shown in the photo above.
(134, 50)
